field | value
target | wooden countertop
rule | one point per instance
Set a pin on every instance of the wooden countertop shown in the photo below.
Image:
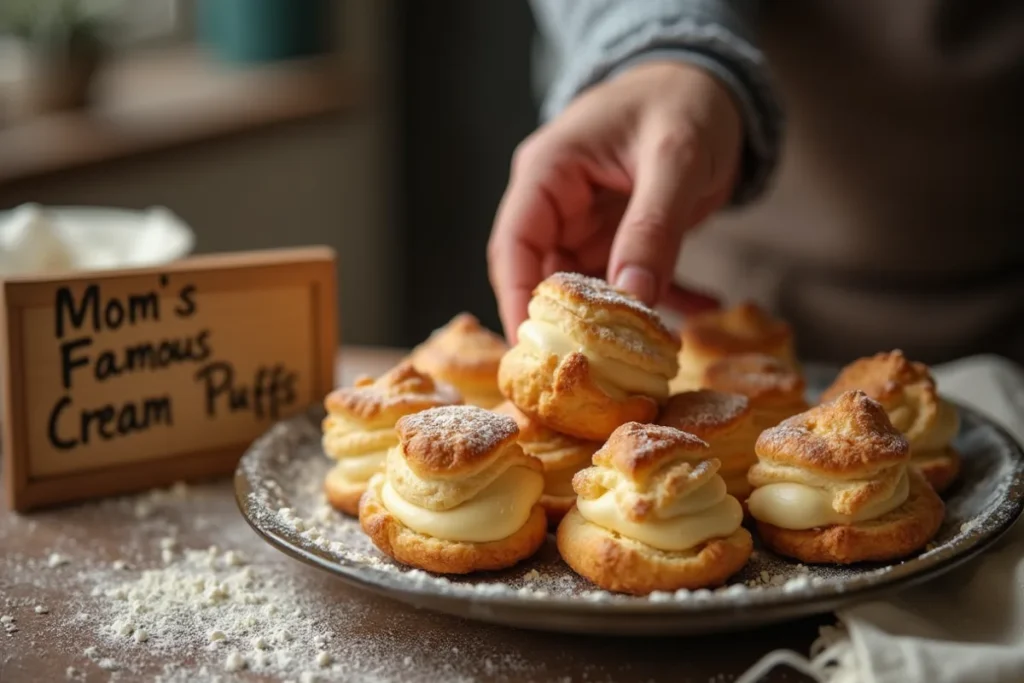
(373, 639)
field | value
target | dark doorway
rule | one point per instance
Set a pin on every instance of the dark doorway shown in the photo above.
(465, 102)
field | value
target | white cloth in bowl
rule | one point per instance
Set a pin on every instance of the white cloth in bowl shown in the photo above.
(40, 240)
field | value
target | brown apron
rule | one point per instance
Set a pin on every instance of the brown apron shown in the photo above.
(896, 217)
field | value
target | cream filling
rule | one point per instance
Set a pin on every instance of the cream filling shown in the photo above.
(559, 482)
(614, 376)
(705, 496)
(789, 505)
(497, 512)
(686, 530)
(359, 468)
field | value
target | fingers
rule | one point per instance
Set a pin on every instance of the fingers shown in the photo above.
(545, 187)
(670, 178)
(516, 252)
(688, 301)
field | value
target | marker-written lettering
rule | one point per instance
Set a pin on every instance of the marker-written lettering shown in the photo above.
(271, 389)
(80, 316)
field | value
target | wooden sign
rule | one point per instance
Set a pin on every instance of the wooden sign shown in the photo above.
(121, 380)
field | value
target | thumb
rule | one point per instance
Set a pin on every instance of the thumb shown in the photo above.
(665, 190)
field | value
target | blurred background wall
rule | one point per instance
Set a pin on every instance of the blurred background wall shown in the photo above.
(403, 180)
(467, 102)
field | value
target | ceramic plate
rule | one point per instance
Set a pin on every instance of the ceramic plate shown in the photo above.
(278, 487)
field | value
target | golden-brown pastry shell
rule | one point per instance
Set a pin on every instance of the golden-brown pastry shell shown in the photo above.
(409, 547)
(892, 536)
(343, 494)
(464, 354)
(562, 394)
(850, 437)
(940, 469)
(623, 565)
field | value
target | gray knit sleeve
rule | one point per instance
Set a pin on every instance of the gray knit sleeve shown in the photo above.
(589, 40)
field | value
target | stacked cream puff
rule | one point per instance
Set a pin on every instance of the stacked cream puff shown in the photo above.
(653, 514)
(742, 329)
(360, 427)
(588, 359)
(834, 485)
(464, 354)
(458, 494)
(908, 393)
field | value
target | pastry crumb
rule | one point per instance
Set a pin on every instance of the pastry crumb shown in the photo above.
(234, 662)
(56, 560)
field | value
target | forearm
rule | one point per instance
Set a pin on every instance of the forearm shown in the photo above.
(595, 39)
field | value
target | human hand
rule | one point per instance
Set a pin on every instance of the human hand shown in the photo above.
(610, 187)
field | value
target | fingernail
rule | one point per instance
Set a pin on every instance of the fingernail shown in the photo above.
(639, 282)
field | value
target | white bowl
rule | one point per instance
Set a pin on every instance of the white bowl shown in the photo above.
(37, 239)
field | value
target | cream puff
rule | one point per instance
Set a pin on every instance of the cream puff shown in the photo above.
(745, 328)
(908, 393)
(723, 421)
(775, 388)
(466, 355)
(458, 494)
(588, 359)
(653, 514)
(833, 485)
(561, 455)
(360, 426)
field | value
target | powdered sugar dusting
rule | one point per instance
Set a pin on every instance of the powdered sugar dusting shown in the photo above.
(115, 609)
(598, 292)
(287, 469)
(851, 432)
(756, 376)
(403, 389)
(702, 411)
(455, 432)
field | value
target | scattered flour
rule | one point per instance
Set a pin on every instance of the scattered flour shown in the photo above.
(234, 662)
(126, 614)
(288, 501)
(127, 617)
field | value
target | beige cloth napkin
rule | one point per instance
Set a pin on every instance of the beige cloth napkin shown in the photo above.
(966, 626)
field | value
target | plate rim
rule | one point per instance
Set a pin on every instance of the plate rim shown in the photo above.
(769, 605)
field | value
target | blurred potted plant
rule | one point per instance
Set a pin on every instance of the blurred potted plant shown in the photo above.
(63, 44)
(245, 31)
